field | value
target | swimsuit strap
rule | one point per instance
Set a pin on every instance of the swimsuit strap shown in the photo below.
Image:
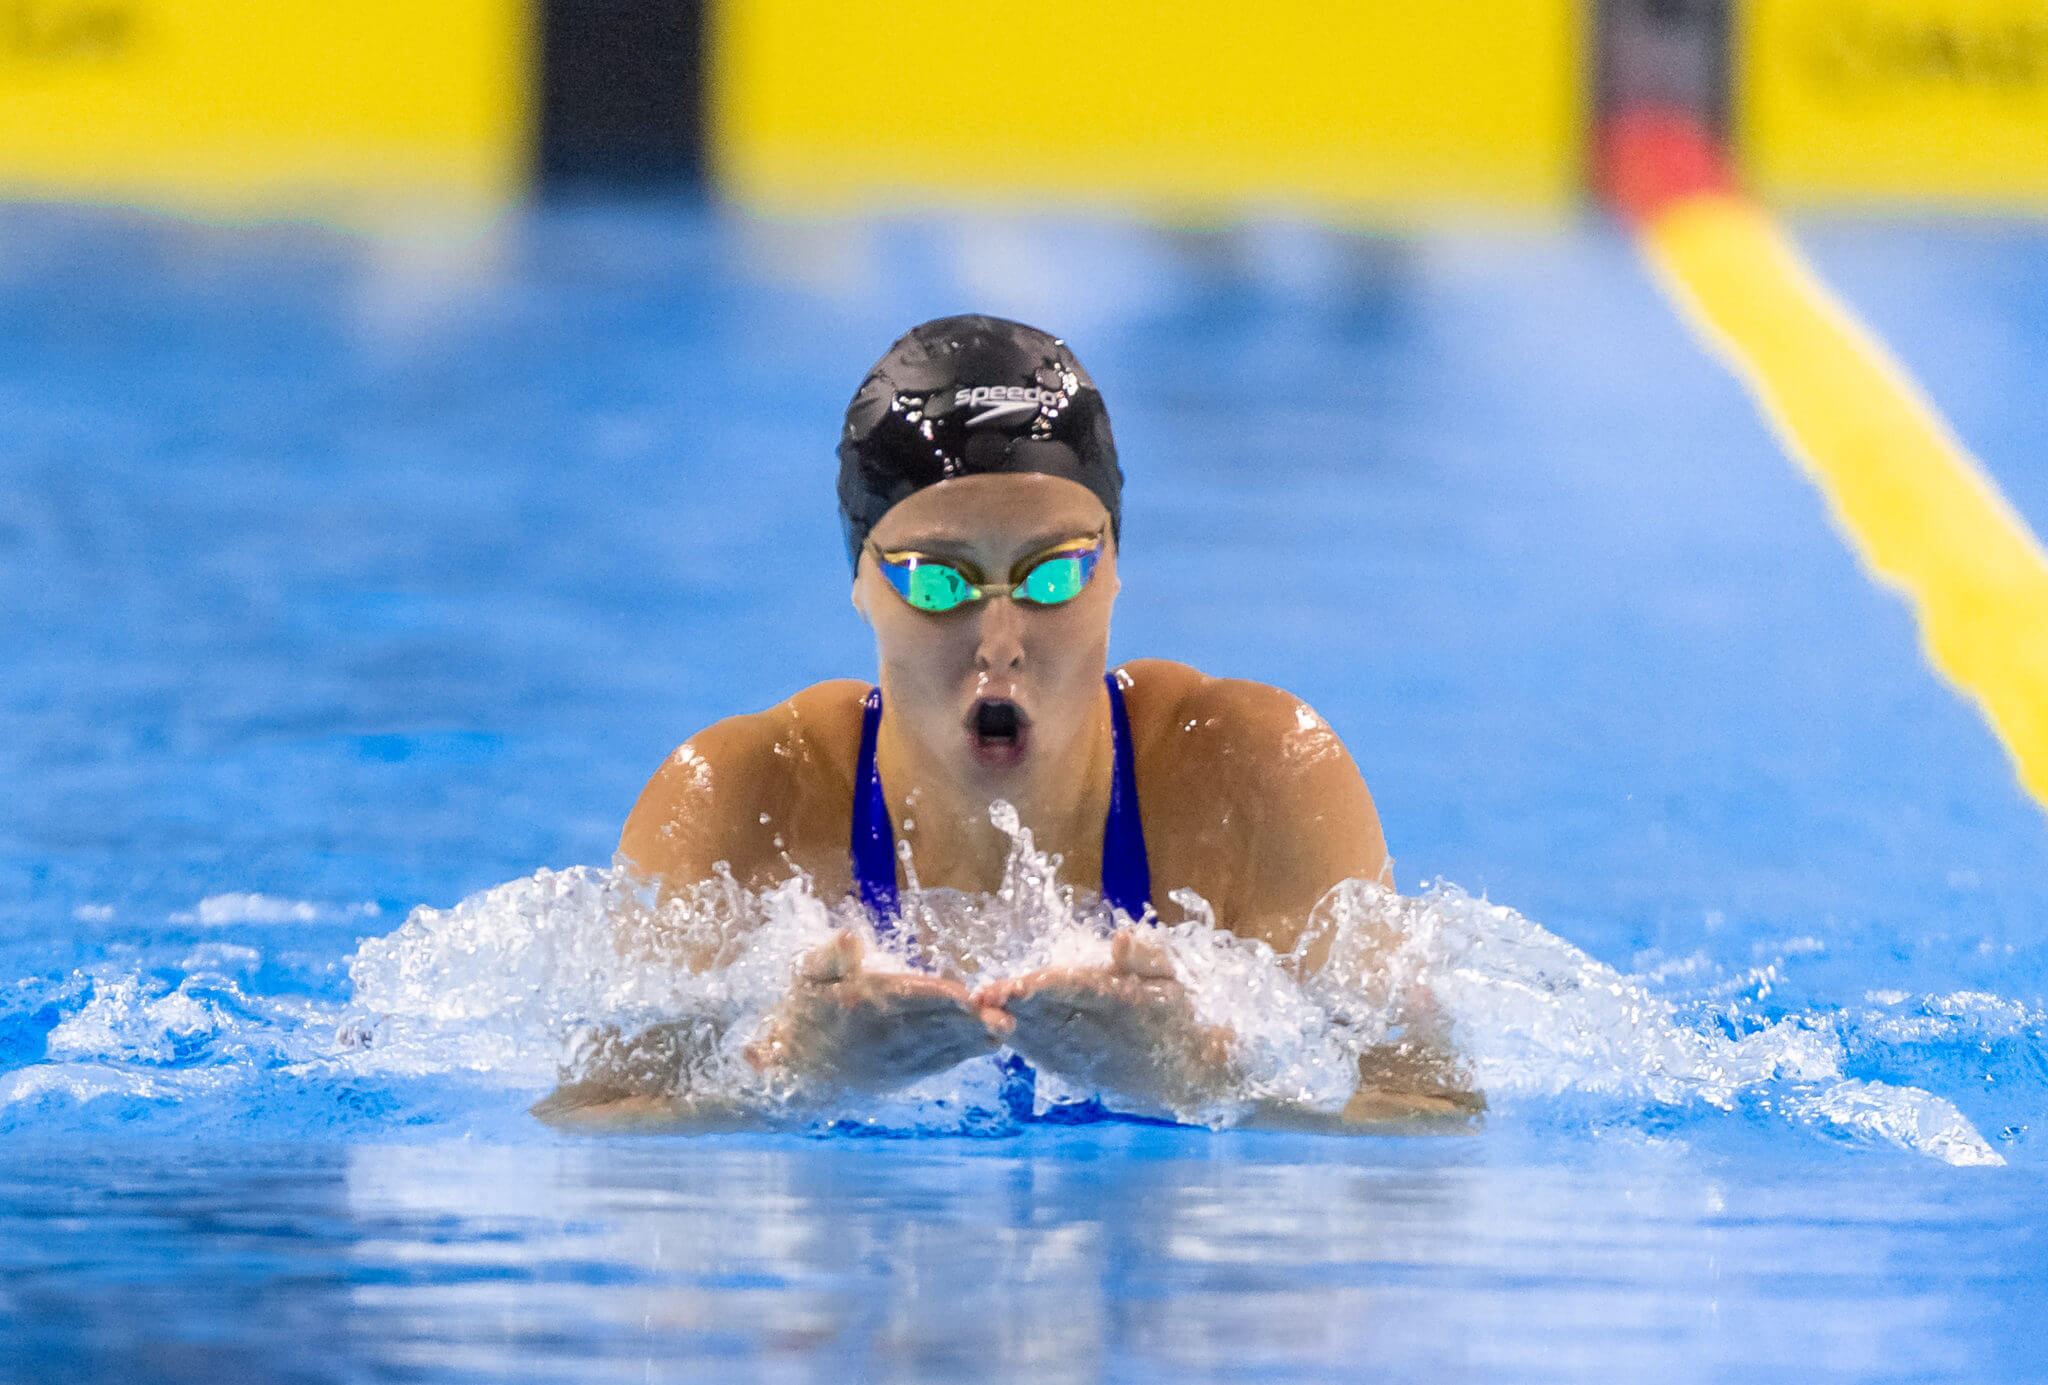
(1126, 871)
(874, 835)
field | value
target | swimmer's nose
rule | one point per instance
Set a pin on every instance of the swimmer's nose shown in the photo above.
(1002, 637)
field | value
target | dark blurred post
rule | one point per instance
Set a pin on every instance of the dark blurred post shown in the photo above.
(1665, 54)
(621, 94)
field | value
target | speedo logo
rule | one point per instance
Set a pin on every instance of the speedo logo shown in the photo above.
(1001, 403)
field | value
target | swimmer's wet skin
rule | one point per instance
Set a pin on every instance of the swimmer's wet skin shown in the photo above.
(980, 494)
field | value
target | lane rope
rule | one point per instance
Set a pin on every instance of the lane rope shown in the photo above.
(1919, 511)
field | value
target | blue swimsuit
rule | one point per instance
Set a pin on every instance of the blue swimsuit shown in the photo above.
(1126, 876)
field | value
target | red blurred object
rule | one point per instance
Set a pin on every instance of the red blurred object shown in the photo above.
(1649, 156)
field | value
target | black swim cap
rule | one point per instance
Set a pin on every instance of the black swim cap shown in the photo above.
(962, 396)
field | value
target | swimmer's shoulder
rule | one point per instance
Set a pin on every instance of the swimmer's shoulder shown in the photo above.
(1203, 720)
(820, 726)
(749, 789)
(1251, 773)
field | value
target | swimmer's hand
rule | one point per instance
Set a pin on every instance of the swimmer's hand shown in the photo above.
(1128, 1028)
(858, 1030)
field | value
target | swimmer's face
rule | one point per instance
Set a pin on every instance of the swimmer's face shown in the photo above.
(950, 677)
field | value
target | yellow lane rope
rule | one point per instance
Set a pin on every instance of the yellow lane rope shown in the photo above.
(1918, 510)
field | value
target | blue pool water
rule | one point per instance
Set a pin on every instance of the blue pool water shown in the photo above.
(344, 577)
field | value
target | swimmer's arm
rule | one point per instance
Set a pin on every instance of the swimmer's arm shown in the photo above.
(1308, 819)
(699, 807)
(1314, 825)
(739, 790)
(690, 817)
(1255, 758)
(729, 795)
(842, 1028)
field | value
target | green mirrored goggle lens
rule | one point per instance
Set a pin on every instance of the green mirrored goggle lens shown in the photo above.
(936, 587)
(930, 585)
(1054, 580)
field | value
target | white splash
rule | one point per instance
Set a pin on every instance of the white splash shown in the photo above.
(580, 975)
(466, 1014)
(220, 909)
(1534, 1016)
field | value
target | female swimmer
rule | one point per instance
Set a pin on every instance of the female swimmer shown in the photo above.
(980, 495)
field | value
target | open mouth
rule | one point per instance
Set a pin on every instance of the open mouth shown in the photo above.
(999, 730)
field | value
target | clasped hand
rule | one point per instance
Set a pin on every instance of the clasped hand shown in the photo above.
(1128, 1027)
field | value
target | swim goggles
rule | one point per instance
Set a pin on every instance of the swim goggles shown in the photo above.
(1048, 578)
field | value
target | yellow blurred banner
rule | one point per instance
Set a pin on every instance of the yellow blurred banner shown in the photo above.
(1876, 102)
(251, 107)
(1371, 111)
